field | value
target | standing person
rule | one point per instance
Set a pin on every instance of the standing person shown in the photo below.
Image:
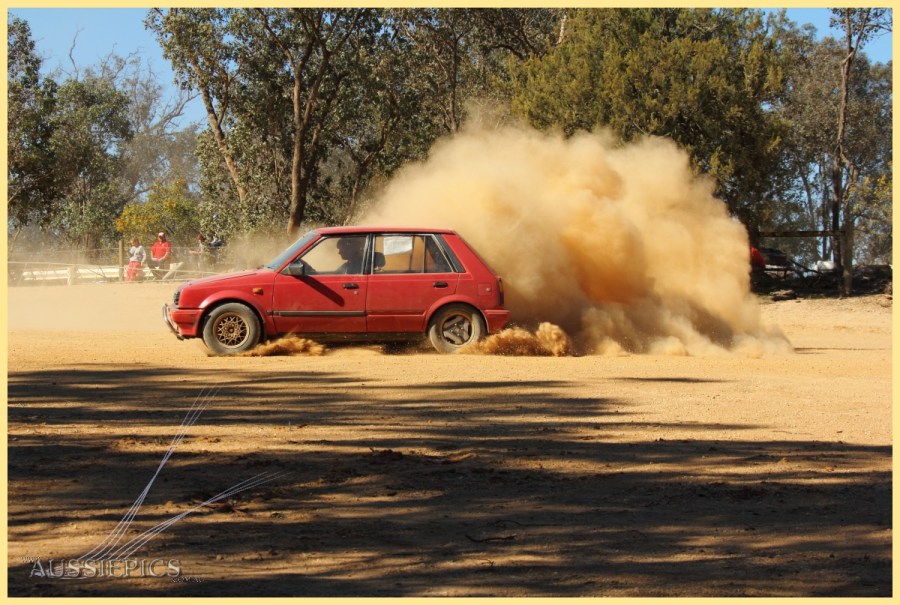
(136, 256)
(160, 255)
(200, 253)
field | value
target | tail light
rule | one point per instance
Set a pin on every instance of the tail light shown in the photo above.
(500, 292)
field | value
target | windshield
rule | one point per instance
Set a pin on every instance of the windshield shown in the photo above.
(291, 252)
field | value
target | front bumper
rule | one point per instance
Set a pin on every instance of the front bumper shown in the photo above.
(182, 322)
(170, 323)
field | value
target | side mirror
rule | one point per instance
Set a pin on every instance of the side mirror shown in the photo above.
(296, 269)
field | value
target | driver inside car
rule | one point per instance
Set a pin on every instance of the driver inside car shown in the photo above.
(351, 251)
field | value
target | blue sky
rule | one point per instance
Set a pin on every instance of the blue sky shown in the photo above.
(103, 30)
(99, 32)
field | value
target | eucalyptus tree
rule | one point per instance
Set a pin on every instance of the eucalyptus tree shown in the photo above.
(468, 53)
(90, 131)
(162, 147)
(31, 180)
(270, 80)
(198, 44)
(813, 104)
(317, 57)
(859, 26)
(65, 148)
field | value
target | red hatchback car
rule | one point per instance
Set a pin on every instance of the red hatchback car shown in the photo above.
(349, 283)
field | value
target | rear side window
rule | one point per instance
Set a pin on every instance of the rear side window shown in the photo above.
(409, 254)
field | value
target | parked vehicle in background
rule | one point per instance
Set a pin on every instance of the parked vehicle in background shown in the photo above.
(349, 283)
(770, 260)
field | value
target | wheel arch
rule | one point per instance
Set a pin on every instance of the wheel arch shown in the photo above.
(211, 304)
(453, 300)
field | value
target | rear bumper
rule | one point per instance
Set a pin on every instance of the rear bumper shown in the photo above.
(182, 322)
(496, 319)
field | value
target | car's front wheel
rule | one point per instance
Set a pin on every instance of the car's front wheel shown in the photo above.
(454, 327)
(231, 328)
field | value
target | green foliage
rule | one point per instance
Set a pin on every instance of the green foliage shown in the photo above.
(170, 207)
(812, 111)
(307, 107)
(90, 130)
(81, 148)
(32, 182)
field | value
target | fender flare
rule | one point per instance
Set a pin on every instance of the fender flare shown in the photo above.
(455, 299)
(222, 297)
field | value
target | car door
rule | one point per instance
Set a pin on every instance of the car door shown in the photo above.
(324, 290)
(410, 274)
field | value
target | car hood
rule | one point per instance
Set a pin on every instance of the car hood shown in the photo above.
(225, 277)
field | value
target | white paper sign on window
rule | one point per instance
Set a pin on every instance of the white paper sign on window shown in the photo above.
(398, 245)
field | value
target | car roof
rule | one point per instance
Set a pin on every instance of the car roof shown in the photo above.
(357, 229)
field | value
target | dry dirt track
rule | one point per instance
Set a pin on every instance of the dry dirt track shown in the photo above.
(417, 474)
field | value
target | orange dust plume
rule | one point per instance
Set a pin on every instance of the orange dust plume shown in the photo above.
(621, 247)
(548, 341)
(287, 345)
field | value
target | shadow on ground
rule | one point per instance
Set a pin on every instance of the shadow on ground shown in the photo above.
(456, 489)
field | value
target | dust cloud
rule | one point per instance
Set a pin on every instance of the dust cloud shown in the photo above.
(287, 345)
(548, 340)
(617, 249)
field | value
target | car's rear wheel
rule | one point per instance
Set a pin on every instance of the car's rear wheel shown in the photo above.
(231, 328)
(454, 327)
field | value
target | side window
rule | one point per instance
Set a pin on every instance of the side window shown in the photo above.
(394, 253)
(408, 254)
(336, 256)
(435, 262)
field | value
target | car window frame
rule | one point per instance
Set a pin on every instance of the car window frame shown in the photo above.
(365, 264)
(440, 245)
(455, 263)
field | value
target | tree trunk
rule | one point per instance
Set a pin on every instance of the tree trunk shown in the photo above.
(843, 251)
(837, 188)
(298, 193)
(847, 251)
(215, 126)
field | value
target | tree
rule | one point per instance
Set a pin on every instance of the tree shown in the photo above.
(160, 150)
(859, 25)
(312, 42)
(90, 131)
(32, 186)
(169, 207)
(308, 107)
(704, 78)
(382, 125)
(466, 53)
(83, 144)
(814, 81)
(198, 45)
(245, 63)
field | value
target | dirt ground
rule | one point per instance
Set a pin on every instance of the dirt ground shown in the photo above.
(417, 474)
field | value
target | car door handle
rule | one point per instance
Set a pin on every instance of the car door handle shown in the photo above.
(439, 284)
(351, 286)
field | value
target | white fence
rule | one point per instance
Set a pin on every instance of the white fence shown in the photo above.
(28, 273)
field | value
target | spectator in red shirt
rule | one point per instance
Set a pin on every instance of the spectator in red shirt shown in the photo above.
(160, 256)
